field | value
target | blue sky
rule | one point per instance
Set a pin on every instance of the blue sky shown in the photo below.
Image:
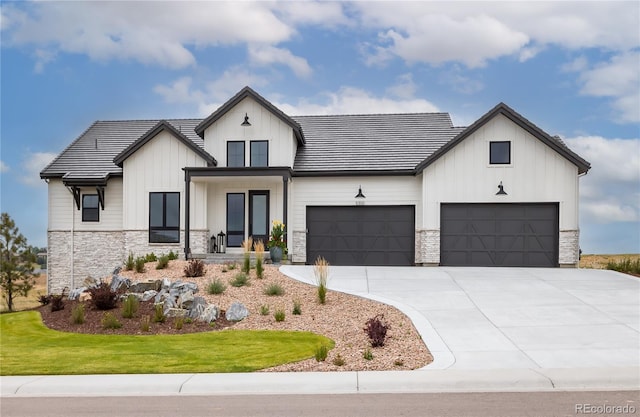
(571, 68)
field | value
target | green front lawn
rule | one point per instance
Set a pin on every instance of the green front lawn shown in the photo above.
(28, 347)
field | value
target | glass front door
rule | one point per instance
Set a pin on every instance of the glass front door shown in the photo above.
(235, 219)
(259, 216)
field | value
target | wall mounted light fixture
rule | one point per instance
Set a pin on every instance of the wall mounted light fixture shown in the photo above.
(501, 190)
(246, 121)
(360, 197)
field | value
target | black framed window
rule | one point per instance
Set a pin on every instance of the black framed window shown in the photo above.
(259, 153)
(235, 219)
(500, 153)
(164, 217)
(90, 211)
(235, 154)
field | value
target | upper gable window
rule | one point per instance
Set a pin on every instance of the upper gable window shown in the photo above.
(500, 153)
(90, 212)
(235, 154)
(259, 153)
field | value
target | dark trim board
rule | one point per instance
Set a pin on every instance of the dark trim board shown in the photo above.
(499, 234)
(361, 235)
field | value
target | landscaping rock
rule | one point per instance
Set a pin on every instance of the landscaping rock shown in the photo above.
(148, 295)
(118, 281)
(145, 286)
(84, 297)
(237, 312)
(161, 295)
(197, 307)
(165, 284)
(90, 282)
(116, 271)
(135, 294)
(185, 300)
(176, 312)
(210, 313)
(168, 304)
(74, 294)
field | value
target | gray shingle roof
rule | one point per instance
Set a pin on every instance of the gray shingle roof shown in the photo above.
(371, 142)
(93, 151)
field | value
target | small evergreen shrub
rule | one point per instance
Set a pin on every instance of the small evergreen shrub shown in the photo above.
(297, 308)
(188, 320)
(216, 287)
(163, 262)
(145, 323)
(321, 353)
(194, 268)
(274, 289)
(102, 297)
(264, 310)
(130, 263)
(398, 362)
(44, 299)
(158, 314)
(109, 321)
(150, 257)
(139, 265)
(179, 323)
(279, 315)
(338, 360)
(77, 314)
(172, 255)
(130, 306)
(376, 329)
(231, 266)
(367, 354)
(240, 280)
(57, 302)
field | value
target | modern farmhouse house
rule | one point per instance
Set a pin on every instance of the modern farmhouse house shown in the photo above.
(374, 189)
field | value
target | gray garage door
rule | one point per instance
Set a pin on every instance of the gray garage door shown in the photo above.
(499, 235)
(361, 235)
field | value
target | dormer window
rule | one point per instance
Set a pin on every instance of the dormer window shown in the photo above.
(235, 154)
(500, 153)
(259, 153)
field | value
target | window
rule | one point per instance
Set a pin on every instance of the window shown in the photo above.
(90, 212)
(500, 153)
(164, 217)
(259, 153)
(235, 154)
(235, 219)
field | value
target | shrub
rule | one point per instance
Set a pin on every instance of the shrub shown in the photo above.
(158, 314)
(57, 302)
(216, 287)
(367, 354)
(145, 323)
(246, 247)
(321, 353)
(321, 272)
(102, 297)
(44, 299)
(130, 306)
(338, 360)
(297, 308)
(240, 280)
(259, 248)
(231, 266)
(274, 289)
(109, 321)
(264, 310)
(188, 320)
(279, 315)
(150, 257)
(139, 265)
(172, 256)
(376, 329)
(179, 323)
(163, 261)
(398, 362)
(77, 314)
(130, 263)
(194, 268)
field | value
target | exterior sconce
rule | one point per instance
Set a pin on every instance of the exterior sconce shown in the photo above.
(501, 190)
(360, 197)
(222, 247)
(246, 121)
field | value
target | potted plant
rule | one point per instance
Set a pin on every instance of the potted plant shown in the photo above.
(276, 243)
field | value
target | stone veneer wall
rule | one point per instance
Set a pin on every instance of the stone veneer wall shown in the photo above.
(137, 242)
(299, 247)
(569, 248)
(428, 247)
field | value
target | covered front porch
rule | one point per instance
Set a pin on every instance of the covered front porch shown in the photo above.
(235, 202)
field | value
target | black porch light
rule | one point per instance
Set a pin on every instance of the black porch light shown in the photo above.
(246, 120)
(501, 190)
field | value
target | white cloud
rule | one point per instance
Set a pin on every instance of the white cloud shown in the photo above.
(459, 82)
(265, 55)
(4, 167)
(33, 163)
(577, 65)
(404, 88)
(610, 192)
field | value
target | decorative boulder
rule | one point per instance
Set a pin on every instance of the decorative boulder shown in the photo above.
(197, 307)
(176, 312)
(90, 282)
(74, 294)
(210, 313)
(168, 304)
(148, 295)
(161, 295)
(84, 297)
(185, 300)
(165, 284)
(118, 281)
(145, 286)
(237, 312)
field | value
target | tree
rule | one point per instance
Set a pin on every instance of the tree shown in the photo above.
(16, 262)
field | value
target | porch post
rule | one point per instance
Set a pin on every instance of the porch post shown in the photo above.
(285, 195)
(187, 211)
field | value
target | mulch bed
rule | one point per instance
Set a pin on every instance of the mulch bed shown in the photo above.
(61, 321)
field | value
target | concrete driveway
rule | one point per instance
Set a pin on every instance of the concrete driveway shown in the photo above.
(507, 318)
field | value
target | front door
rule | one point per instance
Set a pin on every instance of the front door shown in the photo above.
(259, 216)
(235, 219)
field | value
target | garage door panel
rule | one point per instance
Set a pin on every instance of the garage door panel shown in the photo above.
(362, 235)
(499, 234)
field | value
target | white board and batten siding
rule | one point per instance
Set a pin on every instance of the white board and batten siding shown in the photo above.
(157, 167)
(264, 126)
(537, 174)
(62, 208)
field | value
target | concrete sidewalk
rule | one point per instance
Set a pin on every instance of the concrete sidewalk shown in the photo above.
(489, 329)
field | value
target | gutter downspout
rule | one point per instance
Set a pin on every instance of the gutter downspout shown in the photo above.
(73, 221)
(187, 211)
